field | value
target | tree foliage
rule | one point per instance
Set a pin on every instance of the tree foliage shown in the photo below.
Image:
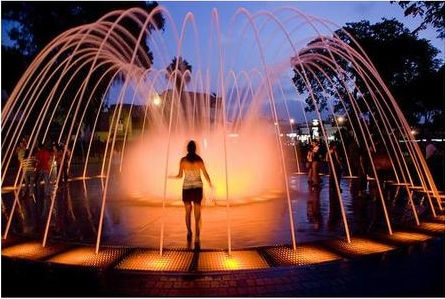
(432, 12)
(32, 25)
(406, 64)
(181, 66)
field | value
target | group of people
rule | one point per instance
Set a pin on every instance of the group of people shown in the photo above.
(40, 170)
(41, 165)
(315, 156)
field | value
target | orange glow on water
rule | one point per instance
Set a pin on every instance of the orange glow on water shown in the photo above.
(253, 164)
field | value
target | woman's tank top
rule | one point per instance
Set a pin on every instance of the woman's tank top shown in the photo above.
(192, 179)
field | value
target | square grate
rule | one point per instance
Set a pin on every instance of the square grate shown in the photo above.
(440, 218)
(86, 256)
(359, 246)
(32, 250)
(239, 260)
(150, 260)
(433, 227)
(403, 237)
(303, 255)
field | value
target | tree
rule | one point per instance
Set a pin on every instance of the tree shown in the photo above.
(35, 24)
(432, 12)
(406, 64)
(181, 66)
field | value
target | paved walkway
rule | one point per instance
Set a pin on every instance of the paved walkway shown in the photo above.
(413, 270)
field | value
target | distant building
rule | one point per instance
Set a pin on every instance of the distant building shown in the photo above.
(303, 132)
(203, 106)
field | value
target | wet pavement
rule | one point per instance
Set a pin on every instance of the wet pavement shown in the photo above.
(137, 223)
(408, 263)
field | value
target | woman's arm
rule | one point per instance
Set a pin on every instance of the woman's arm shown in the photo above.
(180, 173)
(206, 175)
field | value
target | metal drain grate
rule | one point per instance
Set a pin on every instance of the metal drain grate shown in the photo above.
(404, 237)
(238, 260)
(303, 255)
(86, 256)
(440, 218)
(359, 246)
(150, 260)
(32, 250)
(432, 227)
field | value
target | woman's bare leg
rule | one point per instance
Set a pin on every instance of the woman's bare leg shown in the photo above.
(197, 212)
(188, 214)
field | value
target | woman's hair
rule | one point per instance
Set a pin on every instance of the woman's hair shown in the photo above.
(191, 152)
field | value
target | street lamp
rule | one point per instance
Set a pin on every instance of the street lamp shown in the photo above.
(156, 99)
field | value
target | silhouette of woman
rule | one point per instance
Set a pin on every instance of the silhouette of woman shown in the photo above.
(191, 166)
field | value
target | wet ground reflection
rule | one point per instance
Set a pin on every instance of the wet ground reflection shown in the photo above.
(135, 223)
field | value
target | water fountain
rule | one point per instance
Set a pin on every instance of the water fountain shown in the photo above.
(95, 82)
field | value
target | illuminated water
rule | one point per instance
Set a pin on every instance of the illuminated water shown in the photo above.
(96, 82)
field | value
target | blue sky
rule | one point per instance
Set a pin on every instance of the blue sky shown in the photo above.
(337, 12)
(241, 52)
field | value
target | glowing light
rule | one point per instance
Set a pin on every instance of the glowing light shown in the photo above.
(360, 246)
(233, 135)
(31, 250)
(408, 237)
(156, 99)
(79, 178)
(239, 260)
(304, 255)
(231, 263)
(86, 256)
(253, 168)
(152, 261)
(292, 121)
(340, 119)
(414, 132)
(275, 123)
(161, 263)
(432, 226)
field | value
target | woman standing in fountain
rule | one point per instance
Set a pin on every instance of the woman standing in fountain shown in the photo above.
(191, 166)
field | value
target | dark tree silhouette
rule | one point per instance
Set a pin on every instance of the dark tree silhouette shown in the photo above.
(406, 64)
(432, 12)
(32, 25)
(181, 65)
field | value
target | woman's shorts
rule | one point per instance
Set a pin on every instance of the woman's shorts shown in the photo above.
(192, 195)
